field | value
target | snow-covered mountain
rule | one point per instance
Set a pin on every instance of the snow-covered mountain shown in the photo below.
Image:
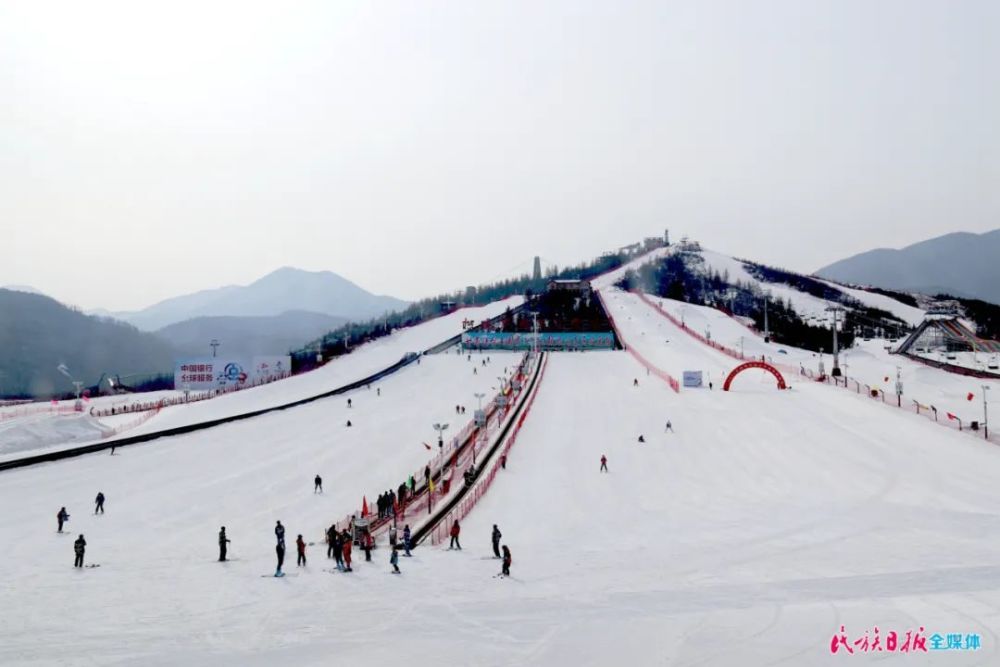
(248, 336)
(286, 289)
(960, 264)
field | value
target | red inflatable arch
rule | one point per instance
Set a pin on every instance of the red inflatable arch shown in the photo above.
(754, 364)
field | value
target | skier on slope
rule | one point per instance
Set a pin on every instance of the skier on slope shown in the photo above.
(669, 427)
(455, 530)
(338, 549)
(392, 536)
(406, 540)
(367, 543)
(79, 547)
(506, 562)
(347, 552)
(496, 541)
(348, 402)
(604, 463)
(99, 503)
(223, 541)
(62, 517)
(279, 533)
(394, 559)
(300, 545)
(318, 484)
(641, 439)
(330, 535)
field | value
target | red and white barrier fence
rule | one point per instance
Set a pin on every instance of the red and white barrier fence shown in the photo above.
(442, 532)
(651, 368)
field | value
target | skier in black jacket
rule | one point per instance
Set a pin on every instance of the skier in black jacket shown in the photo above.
(496, 541)
(99, 503)
(279, 532)
(223, 541)
(79, 547)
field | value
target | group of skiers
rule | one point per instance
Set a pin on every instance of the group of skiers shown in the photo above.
(80, 545)
(386, 503)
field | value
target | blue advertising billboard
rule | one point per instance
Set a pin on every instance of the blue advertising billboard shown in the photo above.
(490, 340)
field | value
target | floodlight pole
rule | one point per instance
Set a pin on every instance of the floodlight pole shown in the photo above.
(835, 372)
(214, 345)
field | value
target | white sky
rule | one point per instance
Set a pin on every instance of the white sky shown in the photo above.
(152, 149)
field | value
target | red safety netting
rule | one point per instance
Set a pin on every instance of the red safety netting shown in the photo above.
(442, 531)
(654, 370)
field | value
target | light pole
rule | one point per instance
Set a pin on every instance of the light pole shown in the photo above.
(440, 428)
(742, 356)
(480, 397)
(986, 428)
(835, 372)
(899, 386)
(767, 331)
(214, 345)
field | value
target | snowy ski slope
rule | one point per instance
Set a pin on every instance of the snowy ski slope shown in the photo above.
(362, 362)
(746, 537)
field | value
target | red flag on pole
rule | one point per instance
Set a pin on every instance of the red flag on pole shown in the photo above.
(364, 507)
(970, 396)
(427, 446)
(951, 416)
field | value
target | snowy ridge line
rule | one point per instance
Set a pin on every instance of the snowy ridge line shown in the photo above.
(441, 532)
(190, 428)
(683, 327)
(891, 399)
(655, 370)
(458, 446)
(511, 416)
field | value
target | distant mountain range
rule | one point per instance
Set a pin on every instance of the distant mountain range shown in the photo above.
(286, 289)
(281, 311)
(38, 335)
(960, 264)
(248, 336)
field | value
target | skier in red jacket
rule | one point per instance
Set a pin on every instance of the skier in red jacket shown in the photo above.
(604, 463)
(347, 552)
(301, 545)
(455, 530)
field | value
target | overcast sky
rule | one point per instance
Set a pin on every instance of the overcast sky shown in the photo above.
(152, 149)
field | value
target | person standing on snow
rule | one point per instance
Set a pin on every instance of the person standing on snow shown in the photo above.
(455, 530)
(669, 427)
(338, 549)
(506, 562)
(406, 540)
(318, 484)
(330, 533)
(223, 541)
(99, 503)
(392, 536)
(496, 541)
(62, 517)
(301, 546)
(79, 547)
(394, 560)
(427, 474)
(279, 533)
(604, 463)
(367, 542)
(348, 402)
(347, 552)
